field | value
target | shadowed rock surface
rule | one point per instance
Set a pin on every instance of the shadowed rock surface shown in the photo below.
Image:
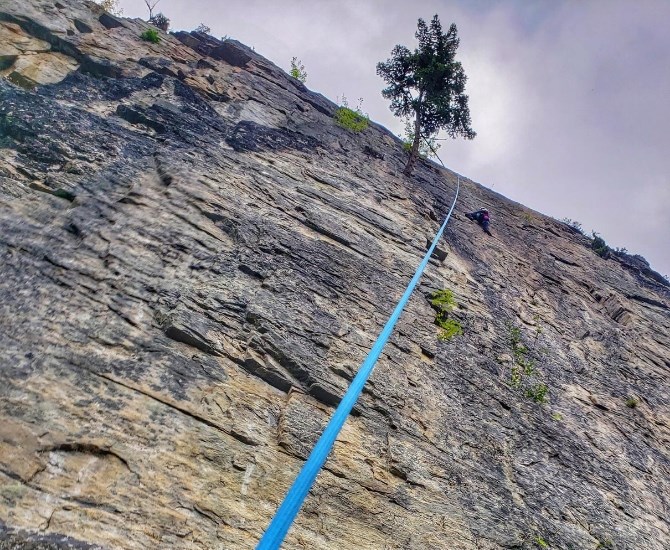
(194, 260)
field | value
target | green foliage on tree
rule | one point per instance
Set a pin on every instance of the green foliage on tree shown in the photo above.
(298, 70)
(428, 147)
(428, 86)
(203, 28)
(161, 21)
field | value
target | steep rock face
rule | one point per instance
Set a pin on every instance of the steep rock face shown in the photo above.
(195, 258)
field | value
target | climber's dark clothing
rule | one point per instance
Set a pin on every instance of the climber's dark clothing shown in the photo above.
(482, 218)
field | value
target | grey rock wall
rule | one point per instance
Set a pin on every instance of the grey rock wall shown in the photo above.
(195, 259)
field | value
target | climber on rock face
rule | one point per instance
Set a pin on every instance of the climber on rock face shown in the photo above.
(482, 217)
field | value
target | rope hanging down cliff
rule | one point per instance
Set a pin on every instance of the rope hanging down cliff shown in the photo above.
(280, 524)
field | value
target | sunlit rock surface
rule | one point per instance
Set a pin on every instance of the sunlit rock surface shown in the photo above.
(194, 260)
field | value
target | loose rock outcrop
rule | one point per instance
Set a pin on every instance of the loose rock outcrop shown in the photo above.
(194, 260)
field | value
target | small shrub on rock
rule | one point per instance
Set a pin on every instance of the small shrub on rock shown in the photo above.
(599, 246)
(203, 28)
(632, 402)
(538, 393)
(450, 328)
(524, 374)
(574, 224)
(151, 35)
(353, 120)
(298, 70)
(443, 301)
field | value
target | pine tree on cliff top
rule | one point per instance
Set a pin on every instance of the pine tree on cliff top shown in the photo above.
(428, 85)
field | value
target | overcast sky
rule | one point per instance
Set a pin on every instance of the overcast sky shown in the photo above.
(570, 99)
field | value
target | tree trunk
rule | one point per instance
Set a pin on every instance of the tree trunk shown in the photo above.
(414, 152)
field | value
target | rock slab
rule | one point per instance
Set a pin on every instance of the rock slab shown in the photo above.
(195, 259)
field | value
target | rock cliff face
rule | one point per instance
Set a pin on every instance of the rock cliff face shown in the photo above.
(194, 260)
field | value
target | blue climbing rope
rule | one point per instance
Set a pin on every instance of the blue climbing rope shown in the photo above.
(276, 531)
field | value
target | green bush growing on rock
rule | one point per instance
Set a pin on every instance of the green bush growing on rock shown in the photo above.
(599, 246)
(353, 120)
(574, 224)
(632, 402)
(538, 393)
(151, 35)
(520, 351)
(541, 542)
(450, 328)
(528, 367)
(298, 70)
(524, 368)
(443, 301)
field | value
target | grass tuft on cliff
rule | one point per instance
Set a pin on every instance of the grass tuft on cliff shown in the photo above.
(350, 119)
(151, 35)
(443, 302)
